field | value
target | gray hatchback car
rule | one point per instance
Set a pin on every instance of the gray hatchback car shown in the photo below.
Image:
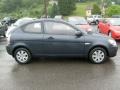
(48, 37)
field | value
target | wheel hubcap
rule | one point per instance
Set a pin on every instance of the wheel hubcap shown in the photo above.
(22, 56)
(98, 56)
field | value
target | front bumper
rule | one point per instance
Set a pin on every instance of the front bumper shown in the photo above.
(112, 51)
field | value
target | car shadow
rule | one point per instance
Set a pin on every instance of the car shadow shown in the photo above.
(59, 60)
(65, 65)
(65, 60)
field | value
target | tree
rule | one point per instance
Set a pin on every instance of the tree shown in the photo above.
(96, 9)
(21, 8)
(54, 10)
(106, 3)
(113, 10)
(66, 6)
(10, 5)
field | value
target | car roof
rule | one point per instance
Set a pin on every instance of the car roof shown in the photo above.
(43, 19)
(23, 21)
(47, 19)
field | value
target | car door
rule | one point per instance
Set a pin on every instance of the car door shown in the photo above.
(60, 39)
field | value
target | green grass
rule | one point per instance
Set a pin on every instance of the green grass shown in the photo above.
(81, 9)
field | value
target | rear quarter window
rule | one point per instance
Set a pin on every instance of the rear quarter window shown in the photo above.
(33, 28)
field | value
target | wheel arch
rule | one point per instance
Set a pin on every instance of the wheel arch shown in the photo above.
(97, 47)
(20, 46)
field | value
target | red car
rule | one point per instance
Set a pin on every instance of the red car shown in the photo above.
(110, 27)
(80, 22)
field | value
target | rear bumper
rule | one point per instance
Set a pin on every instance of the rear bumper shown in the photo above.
(9, 49)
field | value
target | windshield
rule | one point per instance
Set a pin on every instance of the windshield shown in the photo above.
(77, 21)
(115, 22)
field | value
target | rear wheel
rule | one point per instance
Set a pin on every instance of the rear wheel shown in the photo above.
(98, 55)
(22, 55)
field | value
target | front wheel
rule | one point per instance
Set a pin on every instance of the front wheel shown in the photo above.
(97, 22)
(98, 55)
(22, 55)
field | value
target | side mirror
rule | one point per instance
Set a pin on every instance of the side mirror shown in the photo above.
(78, 33)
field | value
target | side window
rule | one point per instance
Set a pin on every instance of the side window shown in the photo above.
(33, 28)
(58, 28)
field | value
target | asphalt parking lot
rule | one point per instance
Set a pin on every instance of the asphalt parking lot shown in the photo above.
(58, 73)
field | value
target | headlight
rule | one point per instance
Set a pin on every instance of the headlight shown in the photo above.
(112, 42)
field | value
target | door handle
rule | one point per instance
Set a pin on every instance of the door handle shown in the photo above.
(50, 38)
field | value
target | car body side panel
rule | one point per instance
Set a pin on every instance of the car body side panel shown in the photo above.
(63, 45)
(30, 40)
(93, 42)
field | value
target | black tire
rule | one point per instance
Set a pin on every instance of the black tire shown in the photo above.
(26, 53)
(92, 52)
(97, 22)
